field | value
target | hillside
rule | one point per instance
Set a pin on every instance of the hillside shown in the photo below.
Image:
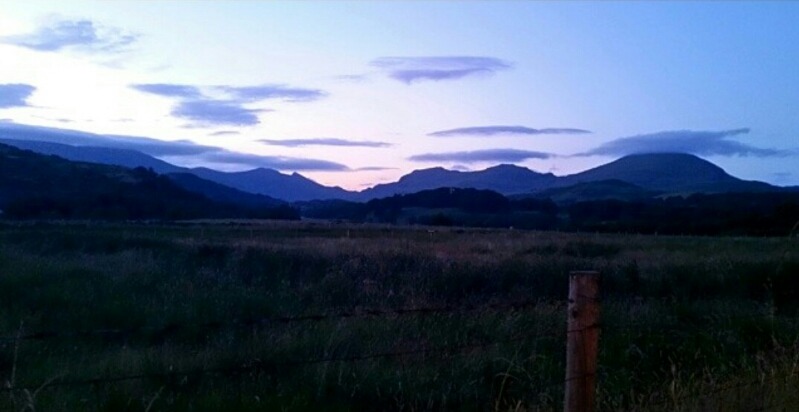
(221, 193)
(265, 182)
(38, 186)
(291, 188)
(595, 190)
(93, 154)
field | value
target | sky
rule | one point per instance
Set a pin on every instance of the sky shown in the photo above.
(359, 93)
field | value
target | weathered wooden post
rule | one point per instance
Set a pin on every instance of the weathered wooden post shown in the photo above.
(582, 341)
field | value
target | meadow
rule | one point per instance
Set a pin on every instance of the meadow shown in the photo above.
(295, 316)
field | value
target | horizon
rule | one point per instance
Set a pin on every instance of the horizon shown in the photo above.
(4, 140)
(359, 94)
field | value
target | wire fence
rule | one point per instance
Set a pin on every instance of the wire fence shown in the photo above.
(287, 319)
(417, 350)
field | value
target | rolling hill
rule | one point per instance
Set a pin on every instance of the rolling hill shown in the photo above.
(265, 182)
(33, 185)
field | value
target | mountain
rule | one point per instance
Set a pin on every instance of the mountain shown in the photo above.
(92, 154)
(291, 188)
(667, 173)
(33, 185)
(265, 182)
(221, 193)
(674, 173)
(505, 179)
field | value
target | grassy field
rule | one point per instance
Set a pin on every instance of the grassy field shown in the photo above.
(308, 316)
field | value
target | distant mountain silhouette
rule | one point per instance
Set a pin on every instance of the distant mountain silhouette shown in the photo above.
(294, 187)
(505, 179)
(92, 154)
(265, 182)
(665, 173)
(34, 185)
(669, 173)
(221, 193)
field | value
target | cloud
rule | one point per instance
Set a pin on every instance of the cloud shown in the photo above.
(504, 130)
(435, 68)
(15, 95)
(489, 155)
(273, 162)
(703, 143)
(224, 133)
(169, 90)
(325, 141)
(352, 77)
(204, 110)
(158, 148)
(217, 112)
(84, 35)
(272, 91)
(374, 169)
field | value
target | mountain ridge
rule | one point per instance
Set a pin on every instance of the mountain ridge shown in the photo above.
(666, 173)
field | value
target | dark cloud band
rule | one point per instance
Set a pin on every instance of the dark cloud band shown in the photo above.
(216, 112)
(504, 130)
(489, 155)
(436, 68)
(703, 143)
(325, 141)
(232, 110)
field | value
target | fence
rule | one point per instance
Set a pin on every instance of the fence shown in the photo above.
(581, 333)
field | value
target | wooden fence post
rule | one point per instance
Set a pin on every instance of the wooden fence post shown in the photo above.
(582, 341)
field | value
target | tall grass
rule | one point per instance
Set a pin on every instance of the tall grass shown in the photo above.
(684, 318)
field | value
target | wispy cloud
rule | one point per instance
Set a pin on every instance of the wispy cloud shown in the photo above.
(475, 156)
(704, 143)
(374, 169)
(169, 90)
(504, 130)
(15, 95)
(352, 77)
(273, 162)
(203, 106)
(84, 35)
(216, 112)
(224, 133)
(174, 150)
(324, 141)
(435, 68)
(272, 91)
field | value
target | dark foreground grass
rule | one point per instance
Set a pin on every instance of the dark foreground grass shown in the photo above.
(204, 317)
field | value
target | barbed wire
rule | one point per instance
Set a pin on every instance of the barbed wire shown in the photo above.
(357, 313)
(175, 327)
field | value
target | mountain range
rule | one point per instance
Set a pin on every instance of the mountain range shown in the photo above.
(649, 175)
(34, 185)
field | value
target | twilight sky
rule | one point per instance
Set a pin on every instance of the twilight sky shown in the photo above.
(358, 93)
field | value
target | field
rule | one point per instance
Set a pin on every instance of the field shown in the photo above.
(251, 316)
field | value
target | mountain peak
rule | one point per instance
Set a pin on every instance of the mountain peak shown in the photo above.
(666, 172)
